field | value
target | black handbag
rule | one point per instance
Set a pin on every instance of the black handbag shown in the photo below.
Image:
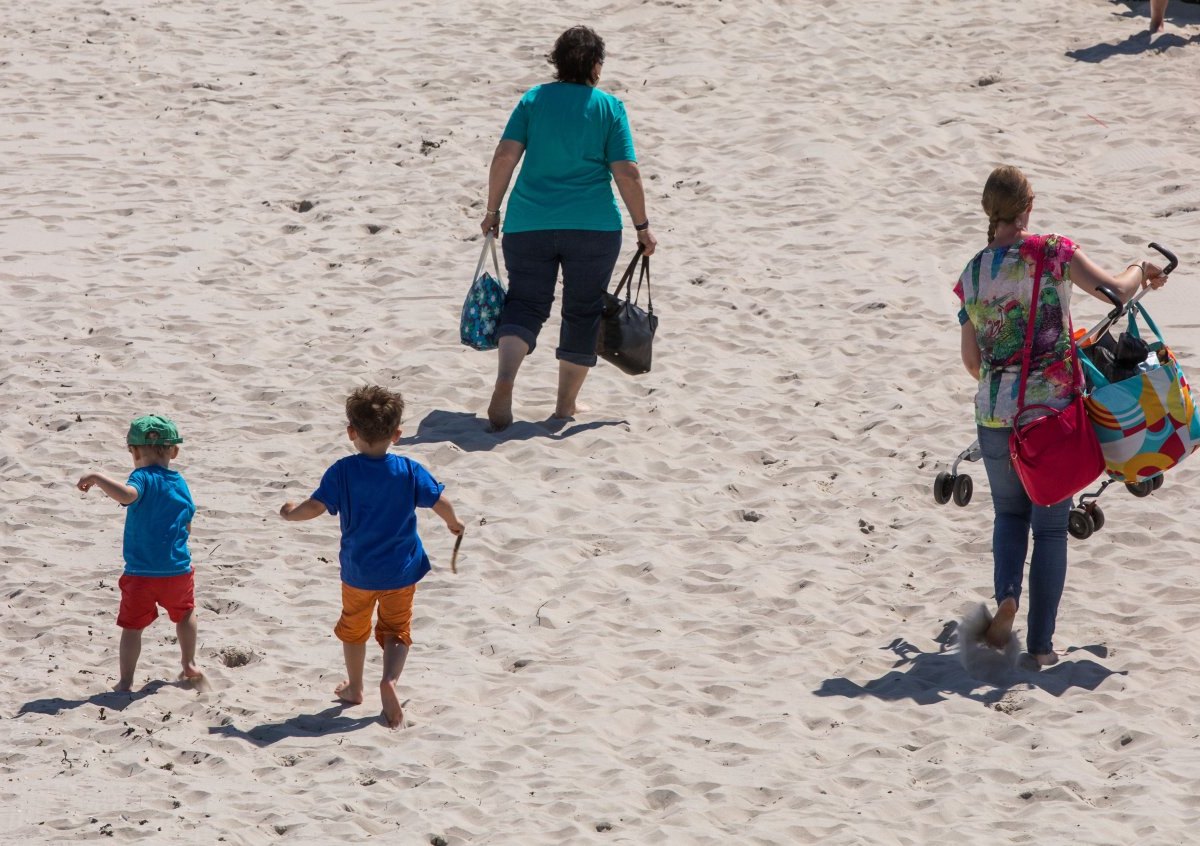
(627, 330)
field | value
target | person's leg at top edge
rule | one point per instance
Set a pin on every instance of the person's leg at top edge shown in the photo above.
(1158, 13)
(1010, 532)
(1047, 576)
(393, 632)
(532, 265)
(353, 629)
(588, 259)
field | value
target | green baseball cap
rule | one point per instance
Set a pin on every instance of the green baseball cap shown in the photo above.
(153, 430)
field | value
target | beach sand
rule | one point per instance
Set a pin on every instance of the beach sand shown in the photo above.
(720, 606)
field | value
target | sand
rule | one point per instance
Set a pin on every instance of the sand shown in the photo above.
(720, 606)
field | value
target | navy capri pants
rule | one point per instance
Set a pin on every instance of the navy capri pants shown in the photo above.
(587, 258)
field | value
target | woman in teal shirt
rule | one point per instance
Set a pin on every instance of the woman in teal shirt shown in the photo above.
(575, 140)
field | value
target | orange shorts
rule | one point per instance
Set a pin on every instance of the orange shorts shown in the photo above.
(395, 614)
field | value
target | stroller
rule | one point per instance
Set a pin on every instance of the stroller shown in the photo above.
(1108, 361)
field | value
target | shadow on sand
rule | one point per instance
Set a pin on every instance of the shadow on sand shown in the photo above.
(469, 432)
(109, 699)
(930, 677)
(1178, 14)
(327, 722)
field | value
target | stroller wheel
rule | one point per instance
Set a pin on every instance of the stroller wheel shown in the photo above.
(963, 488)
(943, 488)
(1140, 489)
(1158, 480)
(1079, 524)
(1093, 511)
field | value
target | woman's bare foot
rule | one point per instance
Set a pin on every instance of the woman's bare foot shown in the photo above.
(1000, 630)
(568, 412)
(1046, 659)
(348, 694)
(393, 714)
(123, 686)
(500, 408)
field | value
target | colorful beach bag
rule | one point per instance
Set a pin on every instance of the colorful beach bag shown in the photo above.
(1146, 423)
(485, 300)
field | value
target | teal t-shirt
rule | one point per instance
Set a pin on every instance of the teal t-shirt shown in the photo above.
(571, 134)
(157, 523)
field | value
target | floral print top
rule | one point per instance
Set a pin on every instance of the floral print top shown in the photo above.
(995, 290)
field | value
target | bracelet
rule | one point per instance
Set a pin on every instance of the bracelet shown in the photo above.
(642, 227)
(1141, 266)
(494, 211)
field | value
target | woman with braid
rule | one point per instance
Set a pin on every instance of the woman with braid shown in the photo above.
(995, 290)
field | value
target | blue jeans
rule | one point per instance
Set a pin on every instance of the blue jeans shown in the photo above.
(1015, 516)
(587, 259)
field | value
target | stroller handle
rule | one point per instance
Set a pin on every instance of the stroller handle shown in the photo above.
(1111, 296)
(1123, 308)
(1172, 261)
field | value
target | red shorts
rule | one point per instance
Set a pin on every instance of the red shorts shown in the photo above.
(141, 594)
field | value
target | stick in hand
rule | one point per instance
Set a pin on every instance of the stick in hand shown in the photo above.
(454, 554)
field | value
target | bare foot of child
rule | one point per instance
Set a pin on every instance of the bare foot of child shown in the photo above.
(194, 678)
(1000, 630)
(348, 694)
(1046, 659)
(123, 686)
(393, 714)
(500, 409)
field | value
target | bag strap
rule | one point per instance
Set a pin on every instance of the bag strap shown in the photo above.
(489, 240)
(1031, 321)
(644, 274)
(1138, 308)
(1076, 367)
(627, 276)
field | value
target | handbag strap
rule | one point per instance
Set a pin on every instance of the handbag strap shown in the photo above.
(1076, 368)
(489, 240)
(645, 274)
(627, 276)
(1031, 320)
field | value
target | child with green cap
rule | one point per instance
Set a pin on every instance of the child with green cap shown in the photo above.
(158, 566)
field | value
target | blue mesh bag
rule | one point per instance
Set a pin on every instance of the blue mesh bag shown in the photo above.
(485, 300)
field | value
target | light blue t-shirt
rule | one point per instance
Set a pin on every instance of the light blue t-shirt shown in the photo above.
(571, 134)
(376, 501)
(156, 524)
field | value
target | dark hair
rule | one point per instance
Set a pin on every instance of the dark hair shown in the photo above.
(374, 412)
(575, 55)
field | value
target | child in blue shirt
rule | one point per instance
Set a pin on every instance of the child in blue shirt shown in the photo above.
(158, 566)
(375, 496)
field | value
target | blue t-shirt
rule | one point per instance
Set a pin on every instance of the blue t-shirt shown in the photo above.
(376, 500)
(571, 134)
(156, 523)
